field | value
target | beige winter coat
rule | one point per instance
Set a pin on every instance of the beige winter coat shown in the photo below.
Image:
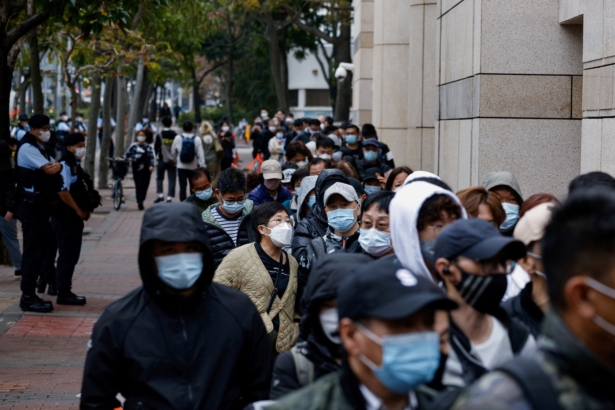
(242, 269)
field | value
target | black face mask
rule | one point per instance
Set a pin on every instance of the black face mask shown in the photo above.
(483, 293)
(436, 383)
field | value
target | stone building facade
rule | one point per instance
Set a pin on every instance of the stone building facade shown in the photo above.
(464, 87)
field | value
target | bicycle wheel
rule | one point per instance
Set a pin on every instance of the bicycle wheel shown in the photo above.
(117, 195)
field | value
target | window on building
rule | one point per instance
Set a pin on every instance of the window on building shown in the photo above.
(293, 96)
(317, 98)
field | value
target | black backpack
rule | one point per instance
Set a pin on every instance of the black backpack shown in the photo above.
(188, 151)
(535, 384)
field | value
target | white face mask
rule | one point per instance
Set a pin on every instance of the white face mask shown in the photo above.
(225, 128)
(64, 117)
(324, 156)
(272, 129)
(375, 242)
(329, 321)
(301, 164)
(281, 235)
(80, 153)
(608, 292)
(141, 138)
(45, 135)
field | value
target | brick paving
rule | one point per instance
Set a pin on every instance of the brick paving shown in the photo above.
(42, 356)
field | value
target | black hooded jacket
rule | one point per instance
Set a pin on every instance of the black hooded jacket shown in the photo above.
(314, 224)
(322, 286)
(206, 351)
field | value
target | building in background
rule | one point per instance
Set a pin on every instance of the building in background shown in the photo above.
(308, 88)
(465, 87)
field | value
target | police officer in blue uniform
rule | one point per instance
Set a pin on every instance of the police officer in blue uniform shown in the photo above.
(22, 128)
(62, 130)
(38, 182)
(77, 201)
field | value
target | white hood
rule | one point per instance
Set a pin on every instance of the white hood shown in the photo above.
(404, 213)
(420, 174)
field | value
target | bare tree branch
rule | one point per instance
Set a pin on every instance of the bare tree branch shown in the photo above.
(212, 69)
(25, 26)
(315, 31)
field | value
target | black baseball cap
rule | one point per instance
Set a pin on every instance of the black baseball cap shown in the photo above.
(476, 239)
(385, 290)
(371, 141)
(370, 173)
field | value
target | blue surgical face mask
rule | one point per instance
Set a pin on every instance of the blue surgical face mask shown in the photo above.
(205, 194)
(428, 249)
(351, 139)
(408, 360)
(311, 201)
(297, 192)
(341, 219)
(370, 156)
(233, 208)
(371, 189)
(180, 271)
(512, 216)
(375, 242)
(279, 136)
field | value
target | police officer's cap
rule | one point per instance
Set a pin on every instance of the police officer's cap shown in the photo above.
(386, 290)
(23, 117)
(38, 121)
(73, 139)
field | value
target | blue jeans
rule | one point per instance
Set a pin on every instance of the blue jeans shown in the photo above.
(9, 235)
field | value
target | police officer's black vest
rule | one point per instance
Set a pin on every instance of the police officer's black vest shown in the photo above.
(61, 135)
(46, 187)
(82, 191)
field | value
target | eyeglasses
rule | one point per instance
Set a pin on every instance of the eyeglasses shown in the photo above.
(492, 264)
(234, 202)
(278, 221)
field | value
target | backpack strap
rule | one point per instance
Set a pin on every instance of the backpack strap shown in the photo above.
(303, 366)
(536, 385)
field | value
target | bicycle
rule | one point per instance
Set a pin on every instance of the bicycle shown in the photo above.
(120, 169)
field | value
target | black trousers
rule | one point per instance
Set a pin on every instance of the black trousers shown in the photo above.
(226, 163)
(183, 175)
(69, 236)
(39, 247)
(171, 171)
(141, 178)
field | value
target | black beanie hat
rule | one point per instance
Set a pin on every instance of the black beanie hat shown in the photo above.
(73, 139)
(38, 121)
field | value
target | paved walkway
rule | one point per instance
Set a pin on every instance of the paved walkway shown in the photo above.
(42, 356)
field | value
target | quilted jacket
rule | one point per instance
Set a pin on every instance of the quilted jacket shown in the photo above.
(221, 242)
(243, 269)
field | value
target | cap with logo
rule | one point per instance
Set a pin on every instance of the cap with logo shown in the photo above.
(385, 290)
(287, 175)
(531, 227)
(475, 239)
(339, 188)
(271, 169)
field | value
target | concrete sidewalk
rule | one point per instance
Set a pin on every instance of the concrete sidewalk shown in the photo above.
(42, 356)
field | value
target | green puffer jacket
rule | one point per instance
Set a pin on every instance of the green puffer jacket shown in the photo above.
(338, 391)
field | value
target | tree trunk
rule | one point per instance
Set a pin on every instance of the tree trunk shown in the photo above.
(90, 156)
(154, 104)
(145, 97)
(229, 83)
(196, 98)
(103, 165)
(6, 82)
(284, 64)
(343, 102)
(274, 61)
(73, 105)
(23, 92)
(120, 112)
(38, 106)
(134, 107)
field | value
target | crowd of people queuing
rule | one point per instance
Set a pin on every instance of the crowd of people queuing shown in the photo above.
(331, 278)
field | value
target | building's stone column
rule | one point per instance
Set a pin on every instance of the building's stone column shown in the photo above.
(509, 93)
(363, 60)
(390, 74)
